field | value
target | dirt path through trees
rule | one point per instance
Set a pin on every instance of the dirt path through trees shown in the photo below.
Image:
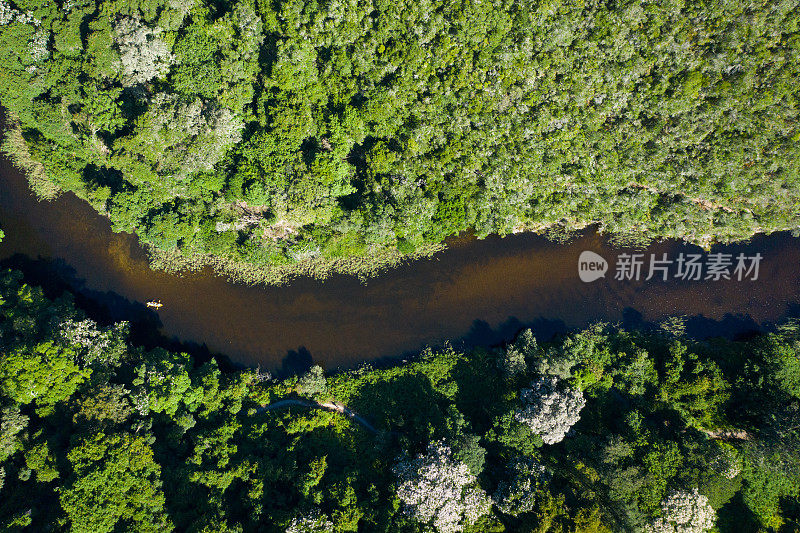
(330, 406)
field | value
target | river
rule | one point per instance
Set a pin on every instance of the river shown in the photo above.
(477, 291)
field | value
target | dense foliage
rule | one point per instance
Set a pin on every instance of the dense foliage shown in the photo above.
(259, 133)
(670, 434)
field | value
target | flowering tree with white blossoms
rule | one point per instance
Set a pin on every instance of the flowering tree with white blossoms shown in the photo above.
(38, 44)
(143, 55)
(438, 490)
(684, 512)
(95, 345)
(550, 410)
(9, 15)
(312, 522)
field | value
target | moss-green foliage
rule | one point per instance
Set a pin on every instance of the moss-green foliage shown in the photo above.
(78, 445)
(114, 481)
(151, 440)
(294, 130)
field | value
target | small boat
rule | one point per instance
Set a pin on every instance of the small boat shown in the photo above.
(153, 304)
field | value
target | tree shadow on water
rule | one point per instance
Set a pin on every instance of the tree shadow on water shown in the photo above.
(732, 326)
(735, 327)
(482, 334)
(295, 362)
(57, 278)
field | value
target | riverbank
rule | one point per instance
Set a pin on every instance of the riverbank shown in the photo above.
(364, 260)
(597, 429)
(479, 291)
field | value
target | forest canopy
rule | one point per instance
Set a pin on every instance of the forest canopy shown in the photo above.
(270, 133)
(598, 430)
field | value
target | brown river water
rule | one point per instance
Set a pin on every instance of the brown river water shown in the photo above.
(476, 291)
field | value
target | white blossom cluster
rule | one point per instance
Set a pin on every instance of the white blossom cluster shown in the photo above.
(10, 15)
(684, 512)
(438, 490)
(517, 493)
(261, 376)
(38, 46)
(7, 13)
(549, 410)
(143, 54)
(141, 402)
(98, 346)
(313, 522)
(83, 333)
(203, 130)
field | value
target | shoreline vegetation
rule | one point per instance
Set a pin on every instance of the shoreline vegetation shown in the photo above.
(174, 261)
(375, 261)
(272, 140)
(363, 267)
(602, 429)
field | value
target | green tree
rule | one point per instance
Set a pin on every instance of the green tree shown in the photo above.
(312, 383)
(45, 374)
(115, 483)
